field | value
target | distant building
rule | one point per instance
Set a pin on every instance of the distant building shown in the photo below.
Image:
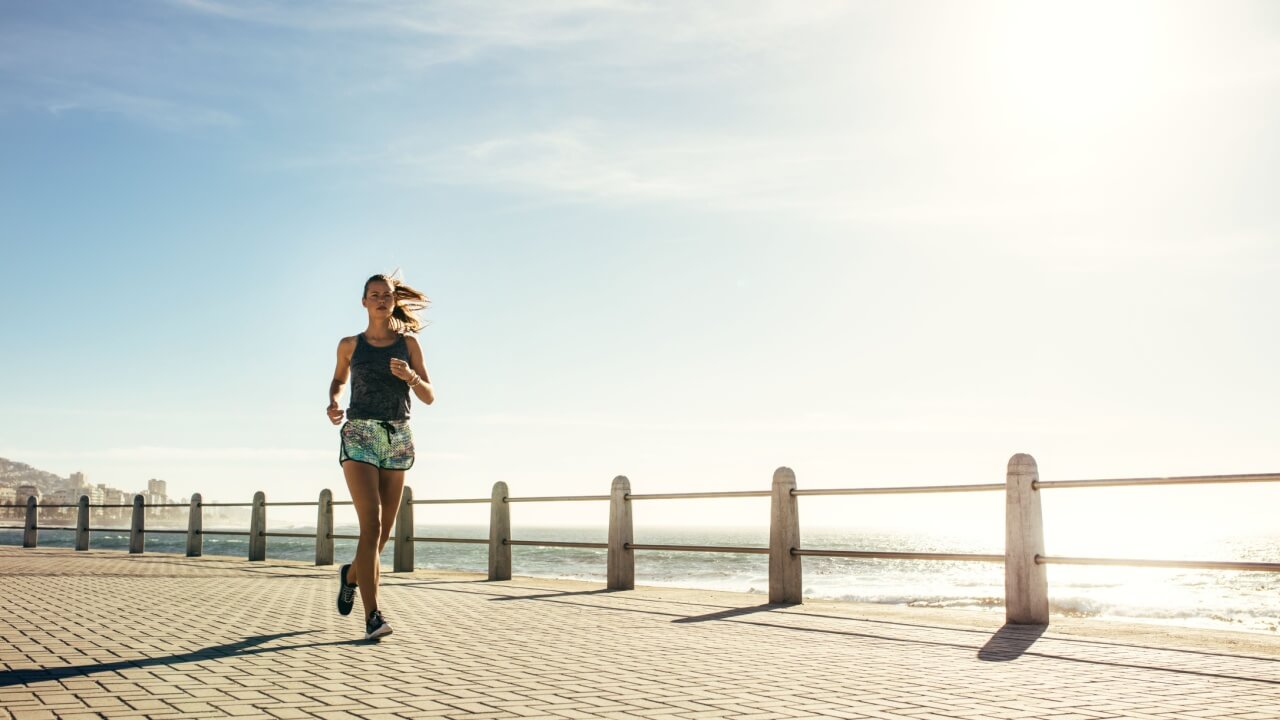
(151, 500)
(111, 496)
(65, 496)
(78, 480)
(25, 491)
(158, 487)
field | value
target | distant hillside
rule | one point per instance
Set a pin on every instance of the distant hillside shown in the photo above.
(13, 474)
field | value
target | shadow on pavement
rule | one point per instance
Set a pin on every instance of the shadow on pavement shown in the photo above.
(726, 614)
(601, 591)
(217, 652)
(1010, 642)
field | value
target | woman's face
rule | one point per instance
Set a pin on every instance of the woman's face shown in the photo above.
(378, 299)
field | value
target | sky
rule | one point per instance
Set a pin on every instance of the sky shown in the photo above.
(880, 243)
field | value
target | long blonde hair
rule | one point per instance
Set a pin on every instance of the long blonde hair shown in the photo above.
(409, 302)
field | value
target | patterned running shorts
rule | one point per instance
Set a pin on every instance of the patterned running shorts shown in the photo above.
(386, 444)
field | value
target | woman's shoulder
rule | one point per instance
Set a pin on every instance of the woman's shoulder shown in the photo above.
(347, 344)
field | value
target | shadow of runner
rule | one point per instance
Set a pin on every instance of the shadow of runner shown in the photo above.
(217, 652)
(1010, 642)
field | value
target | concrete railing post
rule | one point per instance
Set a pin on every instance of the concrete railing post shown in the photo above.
(195, 527)
(82, 524)
(402, 556)
(324, 528)
(30, 535)
(785, 579)
(258, 527)
(137, 529)
(1026, 588)
(622, 559)
(499, 534)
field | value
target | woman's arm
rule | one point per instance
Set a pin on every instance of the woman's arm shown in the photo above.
(422, 388)
(340, 374)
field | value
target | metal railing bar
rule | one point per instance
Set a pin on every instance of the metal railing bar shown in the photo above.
(553, 543)
(282, 504)
(1186, 480)
(698, 548)
(220, 532)
(95, 505)
(170, 532)
(1188, 564)
(345, 537)
(557, 498)
(54, 527)
(205, 504)
(878, 555)
(446, 502)
(122, 530)
(902, 490)
(695, 495)
(288, 534)
(473, 541)
(13, 527)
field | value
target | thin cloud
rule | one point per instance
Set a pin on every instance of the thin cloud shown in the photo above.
(153, 111)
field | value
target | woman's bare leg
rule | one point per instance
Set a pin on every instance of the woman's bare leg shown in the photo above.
(390, 486)
(362, 481)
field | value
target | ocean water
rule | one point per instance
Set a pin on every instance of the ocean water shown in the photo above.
(1248, 601)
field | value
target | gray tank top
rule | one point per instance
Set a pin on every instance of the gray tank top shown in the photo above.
(376, 394)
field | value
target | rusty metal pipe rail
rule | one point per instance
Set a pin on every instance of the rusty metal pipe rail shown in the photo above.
(553, 543)
(987, 487)
(699, 495)
(1186, 564)
(697, 548)
(879, 555)
(470, 541)
(1132, 482)
(557, 498)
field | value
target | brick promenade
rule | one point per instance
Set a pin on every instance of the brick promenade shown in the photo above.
(102, 634)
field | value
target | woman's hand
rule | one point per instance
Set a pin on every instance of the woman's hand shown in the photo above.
(401, 369)
(335, 413)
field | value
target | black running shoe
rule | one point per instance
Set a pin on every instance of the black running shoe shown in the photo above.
(376, 627)
(346, 593)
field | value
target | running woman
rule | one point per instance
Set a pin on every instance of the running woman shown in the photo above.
(385, 365)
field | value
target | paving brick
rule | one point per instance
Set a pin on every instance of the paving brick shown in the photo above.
(532, 648)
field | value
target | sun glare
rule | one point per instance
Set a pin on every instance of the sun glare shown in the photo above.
(1075, 64)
